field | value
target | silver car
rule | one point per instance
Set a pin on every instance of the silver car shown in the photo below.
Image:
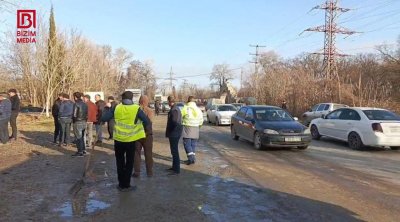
(320, 109)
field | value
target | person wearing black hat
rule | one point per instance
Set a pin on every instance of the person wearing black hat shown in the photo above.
(111, 123)
(15, 107)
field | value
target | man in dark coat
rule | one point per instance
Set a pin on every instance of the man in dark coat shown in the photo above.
(99, 124)
(15, 107)
(174, 132)
(284, 106)
(54, 112)
(111, 123)
(5, 114)
(80, 117)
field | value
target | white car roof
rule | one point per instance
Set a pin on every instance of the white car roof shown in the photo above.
(366, 108)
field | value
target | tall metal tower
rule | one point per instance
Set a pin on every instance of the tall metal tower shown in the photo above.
(331, 29)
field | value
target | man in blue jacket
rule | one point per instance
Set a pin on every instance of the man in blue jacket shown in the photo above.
(65, 117)
(5, 114)
(174, 132)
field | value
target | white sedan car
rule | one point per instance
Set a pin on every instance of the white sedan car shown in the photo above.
(359, 127)
(221, 114)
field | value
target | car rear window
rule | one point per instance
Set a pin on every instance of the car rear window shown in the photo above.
(272, 114)
(381, 115)
(227, 108)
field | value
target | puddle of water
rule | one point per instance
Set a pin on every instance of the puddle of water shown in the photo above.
(234, 196)
(65, 210)
(198, 185)
(95, 205)
(206, 209)
(229, 180)
(79, 207)
(224, 166)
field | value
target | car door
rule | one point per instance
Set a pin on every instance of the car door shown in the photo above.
(327, 125)
(320, 111)
(211, 114)
(248, 126)
(239, 121)
(348, 119)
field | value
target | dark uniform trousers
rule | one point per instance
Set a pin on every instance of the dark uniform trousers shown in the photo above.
(124, 154)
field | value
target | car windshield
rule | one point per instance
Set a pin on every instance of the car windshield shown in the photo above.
(226, 108)
(272, 114)
(179, 104)
(381, 115)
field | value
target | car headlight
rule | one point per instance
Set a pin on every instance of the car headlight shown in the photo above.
(307, 131)
(270, 131)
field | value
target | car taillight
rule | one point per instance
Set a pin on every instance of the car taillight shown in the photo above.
(376, 127)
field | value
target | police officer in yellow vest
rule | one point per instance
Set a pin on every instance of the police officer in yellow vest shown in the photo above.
(130, 124)
(192, 120)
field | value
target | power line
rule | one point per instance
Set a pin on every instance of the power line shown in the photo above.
(331, 29)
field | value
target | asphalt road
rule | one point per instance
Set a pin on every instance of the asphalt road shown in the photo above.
(363, 182)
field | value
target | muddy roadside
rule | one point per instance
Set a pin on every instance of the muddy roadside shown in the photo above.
(38, 188)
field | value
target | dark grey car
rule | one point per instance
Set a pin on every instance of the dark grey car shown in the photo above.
(269, 126)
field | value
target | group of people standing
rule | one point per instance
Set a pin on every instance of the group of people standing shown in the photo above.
(133, 131)
(82, 115)
(9, 110)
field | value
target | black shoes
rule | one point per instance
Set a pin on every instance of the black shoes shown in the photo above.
(77, 154)
(189, 162)
(173, 173)
(127, 189)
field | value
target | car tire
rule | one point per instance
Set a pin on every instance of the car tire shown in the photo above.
(395, 147)
(216, 121)
(257, 141)
(302, 147)
(208, 118)
(315, 133)
(355, 141)
(234, 136)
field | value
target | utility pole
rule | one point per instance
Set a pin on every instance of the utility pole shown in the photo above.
(331, 29)
(241, 78)
(171, 79)
(256, 61)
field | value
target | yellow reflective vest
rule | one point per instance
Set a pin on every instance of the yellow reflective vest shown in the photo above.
(125, 129)
(192, 115)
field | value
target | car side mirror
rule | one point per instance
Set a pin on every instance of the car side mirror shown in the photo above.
(296, 119)
(253, 122)
(323, 116)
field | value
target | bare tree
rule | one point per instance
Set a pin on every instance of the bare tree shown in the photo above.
(221, 74)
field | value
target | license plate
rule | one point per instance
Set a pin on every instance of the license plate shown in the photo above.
(292, 139)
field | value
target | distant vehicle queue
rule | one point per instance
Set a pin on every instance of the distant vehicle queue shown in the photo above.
(271, 126)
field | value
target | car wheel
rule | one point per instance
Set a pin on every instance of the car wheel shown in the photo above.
(395, 147)
(257, 141)
(208, 118)
(355, 142)
(216, 121)
(315, 133)
(233, 133)
(302, 147)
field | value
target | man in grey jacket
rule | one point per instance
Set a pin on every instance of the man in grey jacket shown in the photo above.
(5, 114)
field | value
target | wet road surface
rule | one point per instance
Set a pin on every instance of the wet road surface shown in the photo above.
(364, 182)
(230, 182)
